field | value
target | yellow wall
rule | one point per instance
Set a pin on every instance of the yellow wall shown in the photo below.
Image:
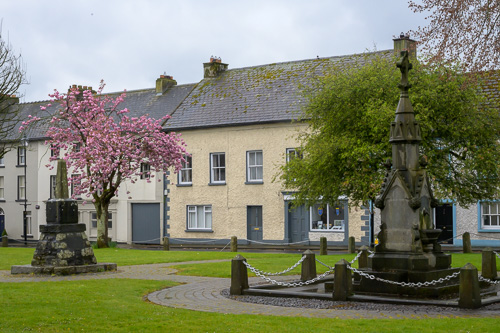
(229, 202)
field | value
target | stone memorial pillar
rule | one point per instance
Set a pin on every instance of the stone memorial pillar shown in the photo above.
(63, 247)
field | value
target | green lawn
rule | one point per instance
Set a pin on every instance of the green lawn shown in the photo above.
(117, 304)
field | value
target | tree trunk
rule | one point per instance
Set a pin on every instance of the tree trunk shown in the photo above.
(102, 223)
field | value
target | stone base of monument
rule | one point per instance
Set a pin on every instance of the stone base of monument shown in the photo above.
(63, 249)
(63, 270)
(403, 267)
(366, 286)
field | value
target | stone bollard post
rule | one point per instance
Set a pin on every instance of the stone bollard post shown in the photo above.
(234, 244)
(323, 251)
(166, 244)
(467, 248)
(308, 267)
(351, 247)
(489, 264)
(239, 276)
(469, 292)
(342, 286)
(363, 258)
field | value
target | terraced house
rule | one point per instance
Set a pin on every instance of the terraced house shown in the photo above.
(240, 126)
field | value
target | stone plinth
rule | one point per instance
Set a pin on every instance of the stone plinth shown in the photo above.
(62, 211)
(63, 245)
(363, 285)
(62, 270)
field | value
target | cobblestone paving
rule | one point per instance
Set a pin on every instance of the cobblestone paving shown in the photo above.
(206, 294)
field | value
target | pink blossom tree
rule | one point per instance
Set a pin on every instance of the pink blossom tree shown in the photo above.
(106, 147)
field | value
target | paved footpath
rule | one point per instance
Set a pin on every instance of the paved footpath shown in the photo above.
(204, 294)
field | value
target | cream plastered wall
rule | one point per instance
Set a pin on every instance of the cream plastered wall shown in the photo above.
(356, 223)
(229, 202)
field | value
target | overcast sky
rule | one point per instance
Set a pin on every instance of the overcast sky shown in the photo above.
(129, 44)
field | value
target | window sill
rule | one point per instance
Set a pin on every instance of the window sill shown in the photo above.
(21, 200)
(27, 236)
(2, 166)
(216, 184)
(184, 185)
(20, 165)
(254, 183)
(2, 200)
(326, 230)
(199, 230)
(489, 230)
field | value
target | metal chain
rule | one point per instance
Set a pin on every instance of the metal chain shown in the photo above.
(481, 278)
(356, 258)
(327, 266)
(283, 272)
(333, 268)
(496, 253)
(286, 284)
(405, 284)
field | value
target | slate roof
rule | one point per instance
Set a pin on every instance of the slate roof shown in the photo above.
(139, 102)
(252, 95)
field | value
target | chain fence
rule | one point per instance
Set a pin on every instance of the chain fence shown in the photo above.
(405, 284)
(279, 273)
(286, 284)
(481, 278)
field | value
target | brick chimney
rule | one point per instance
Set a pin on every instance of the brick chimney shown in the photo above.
(404, 43)
(81, 89)
(163, 83)
(213, 68)
(8, 100)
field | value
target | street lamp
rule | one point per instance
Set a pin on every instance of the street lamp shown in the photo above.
(24, 144)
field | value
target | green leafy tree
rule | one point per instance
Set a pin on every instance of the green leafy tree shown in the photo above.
(347, 145)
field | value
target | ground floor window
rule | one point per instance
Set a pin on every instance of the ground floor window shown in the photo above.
(490, 215)
(28, 224)
(327, 217)
(199, 217)
(93, 220)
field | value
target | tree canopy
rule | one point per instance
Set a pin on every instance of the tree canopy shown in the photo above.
(461, 29)
(347, 144)
(105, 147)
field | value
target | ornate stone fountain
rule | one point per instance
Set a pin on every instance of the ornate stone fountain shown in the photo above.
(408, 250)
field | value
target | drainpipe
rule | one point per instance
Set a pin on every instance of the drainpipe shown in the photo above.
(166, 199)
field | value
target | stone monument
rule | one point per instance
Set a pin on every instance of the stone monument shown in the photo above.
(63, 247)
(408, 250)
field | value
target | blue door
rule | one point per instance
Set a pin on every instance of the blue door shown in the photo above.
(146, 223)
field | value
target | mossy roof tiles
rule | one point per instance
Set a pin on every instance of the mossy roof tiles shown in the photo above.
(261, 94)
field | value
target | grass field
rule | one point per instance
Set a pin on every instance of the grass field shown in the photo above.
(117, 305)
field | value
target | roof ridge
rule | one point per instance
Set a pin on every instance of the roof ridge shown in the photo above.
(311, 59)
